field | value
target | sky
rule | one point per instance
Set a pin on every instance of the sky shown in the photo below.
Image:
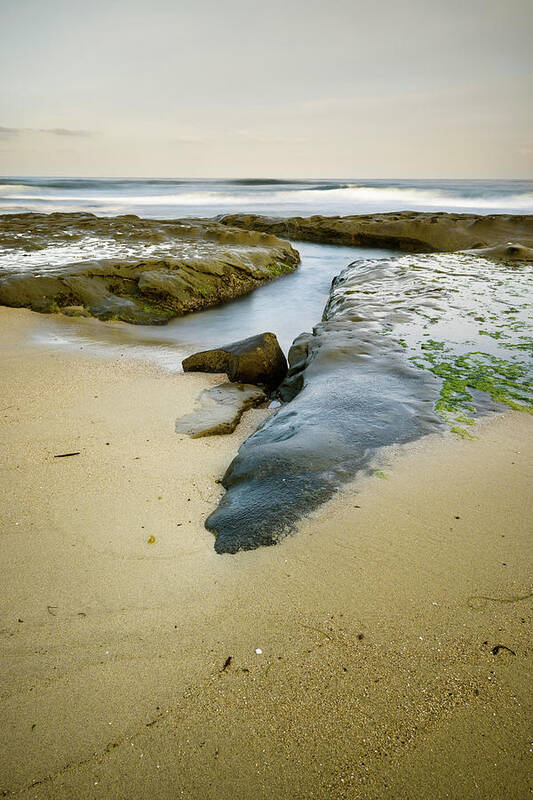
(292, 88)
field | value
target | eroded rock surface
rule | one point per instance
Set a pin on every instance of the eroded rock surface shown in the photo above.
(136, 270)
(410, 231)
(356, 397)
(258, 360)
(219, 409)
(509, 252)
(407, 346)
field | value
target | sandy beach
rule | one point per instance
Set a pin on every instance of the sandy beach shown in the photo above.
(383, 651)
(266, 409)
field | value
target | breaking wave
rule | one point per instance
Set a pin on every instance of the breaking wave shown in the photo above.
(180, 197)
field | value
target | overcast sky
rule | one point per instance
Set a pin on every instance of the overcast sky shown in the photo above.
(279, 88)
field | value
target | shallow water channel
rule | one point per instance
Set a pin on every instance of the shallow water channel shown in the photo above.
(287, 306)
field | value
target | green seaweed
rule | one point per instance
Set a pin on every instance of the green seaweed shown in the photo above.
(280, 268)
(503, 380)
(462, 432)
(492, 334)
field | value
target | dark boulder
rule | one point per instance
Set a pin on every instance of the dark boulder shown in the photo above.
(258, 360)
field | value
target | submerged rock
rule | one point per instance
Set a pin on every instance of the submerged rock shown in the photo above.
(219, 409)
(415, 232)
(136, 270)
(258, 360)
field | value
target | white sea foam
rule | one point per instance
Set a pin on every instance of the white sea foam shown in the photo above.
(314, 197)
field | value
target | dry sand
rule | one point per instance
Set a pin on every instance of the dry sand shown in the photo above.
(376, 676)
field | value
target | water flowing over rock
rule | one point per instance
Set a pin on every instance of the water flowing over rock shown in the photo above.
(258, 360)
(135, 270)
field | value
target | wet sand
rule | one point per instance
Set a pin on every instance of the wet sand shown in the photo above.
(130, 669)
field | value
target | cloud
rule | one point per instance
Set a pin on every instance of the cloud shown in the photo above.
(66, 132)
(5, 131)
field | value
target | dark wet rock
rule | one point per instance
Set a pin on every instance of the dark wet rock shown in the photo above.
(352, 391)
(298, 355)
(374, 373)
(357, 396)
(417, 232)
(154, 269)
(258, 360)
(219, 409)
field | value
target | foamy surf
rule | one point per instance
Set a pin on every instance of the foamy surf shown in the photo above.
(174, 198)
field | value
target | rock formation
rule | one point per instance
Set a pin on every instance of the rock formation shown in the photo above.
(410, 231)
(258, 360)
(508, 252)
(136, 270)
(379, 370)
(219, 409)
(357, 396)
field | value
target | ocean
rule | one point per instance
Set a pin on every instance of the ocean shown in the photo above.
(168, 198)
(287, 306)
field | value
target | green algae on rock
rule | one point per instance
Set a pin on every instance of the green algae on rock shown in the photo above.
(477, 367)
(135, 270)
(397, 355)
(504, 381)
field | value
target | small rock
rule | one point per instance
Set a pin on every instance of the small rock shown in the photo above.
(258, 360)
(219, 409)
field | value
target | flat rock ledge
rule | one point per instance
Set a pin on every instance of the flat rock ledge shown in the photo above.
(135, 270)
(258, 360)
(219, 409)
(410, 231)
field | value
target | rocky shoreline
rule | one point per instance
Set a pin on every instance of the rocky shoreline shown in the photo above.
(146, 271)
(352, 387)
(153, 270)
(409, 231)
(355, 384)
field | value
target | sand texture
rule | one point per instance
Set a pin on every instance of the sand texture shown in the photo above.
(359, 659)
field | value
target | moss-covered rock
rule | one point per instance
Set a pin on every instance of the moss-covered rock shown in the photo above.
(135, 270)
